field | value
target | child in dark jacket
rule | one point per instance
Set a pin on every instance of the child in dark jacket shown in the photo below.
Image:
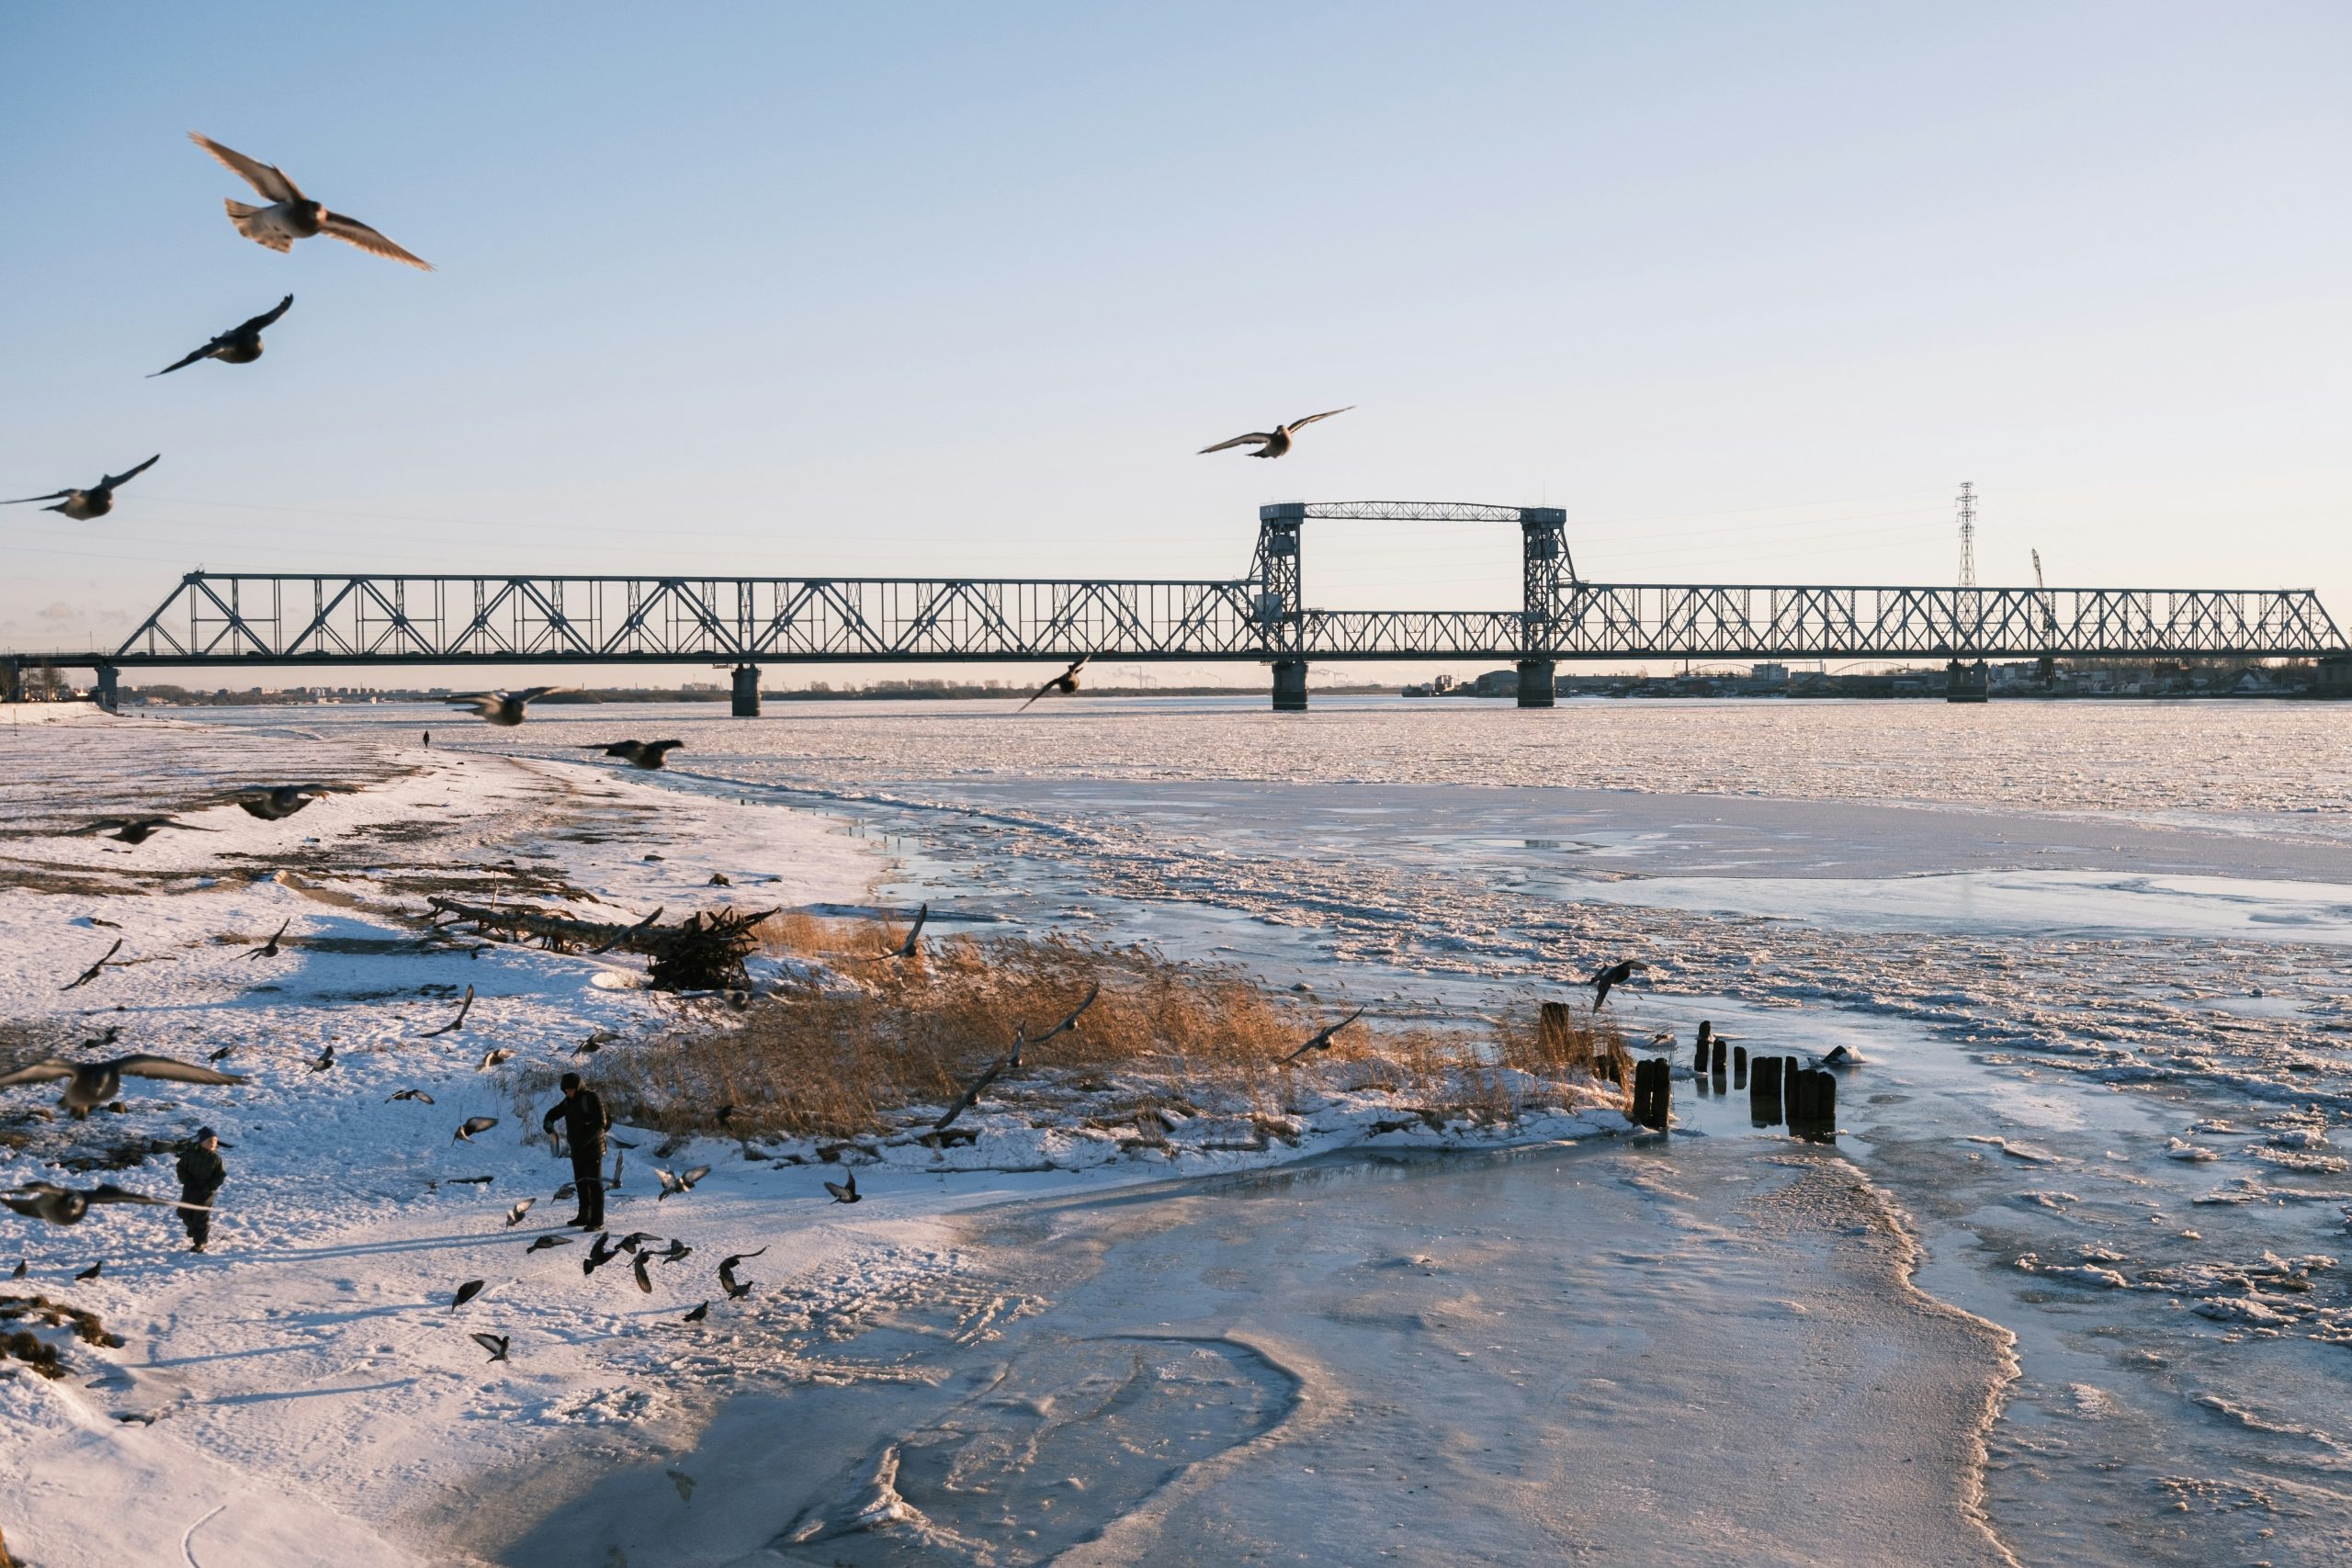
(201, 1174)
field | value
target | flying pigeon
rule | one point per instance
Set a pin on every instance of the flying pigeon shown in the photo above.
(417, 1094)
(727, 1274)
(494, 1343)
(505, 709)
(845, 1192)
(1275, 442)
(465, 1133)
(547, 1241)
(1321, 1039)
(644, 753)
(1066, 682)
(684, 1181)
(1614, 975)
(136, 830)
(92, 1271)
(94, 970)
(515, 1215)
(87, 505)
(637, 1267)
(92, 1084)
(600, 1252)
(457, 1023)
(66, 1205)
(240, 345)
(466, 1292)
(292, 216)
(269, 949)
(698, 1314)
(274, 805)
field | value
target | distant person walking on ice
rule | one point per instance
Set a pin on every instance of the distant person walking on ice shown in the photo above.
(201, 1174)
(584, 1122)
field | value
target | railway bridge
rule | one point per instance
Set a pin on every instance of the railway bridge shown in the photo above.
(220, 621)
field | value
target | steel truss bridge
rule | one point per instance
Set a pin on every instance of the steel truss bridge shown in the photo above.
(215, 620)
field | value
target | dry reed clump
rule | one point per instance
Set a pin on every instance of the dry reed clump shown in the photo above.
(23, 1345)
(836, 1061)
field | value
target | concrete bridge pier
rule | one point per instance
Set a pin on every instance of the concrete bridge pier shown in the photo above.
(12, 681)
(1290, 685)
(1967, 682)
(109, 695)
(1535, 682)
(747, 690)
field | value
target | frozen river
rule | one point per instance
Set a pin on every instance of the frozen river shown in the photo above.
(2092, 958)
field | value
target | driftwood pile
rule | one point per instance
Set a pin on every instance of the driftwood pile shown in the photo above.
(701, 952)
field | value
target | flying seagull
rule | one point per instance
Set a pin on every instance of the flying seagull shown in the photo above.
(279, 802)
(240, 345)
(269, 948)
(1066, 682)
(417, 1094)
(1275, 442)
(92, 1084)
(457, 1022)
(504, 709)
(845, 1192)
(66, 1205)
(684, 1181)
(1321, 1040)
(465, 1133)
(496, 1344)
(94, 970)
(292, 216)
(466, 1292)
(1614, 975)
(644, 753)
(86, 505)
(138, 830)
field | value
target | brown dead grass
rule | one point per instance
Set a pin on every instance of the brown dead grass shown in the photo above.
(842, 1062)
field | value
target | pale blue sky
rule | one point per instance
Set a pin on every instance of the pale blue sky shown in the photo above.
(904, 288)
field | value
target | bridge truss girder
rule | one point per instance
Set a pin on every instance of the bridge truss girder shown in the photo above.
(232, 619)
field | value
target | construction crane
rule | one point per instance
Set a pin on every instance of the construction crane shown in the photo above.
(2049, 624)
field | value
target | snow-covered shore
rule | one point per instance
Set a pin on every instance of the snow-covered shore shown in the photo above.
(306, 1393)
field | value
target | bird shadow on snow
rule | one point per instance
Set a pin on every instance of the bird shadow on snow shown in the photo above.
(279, 1395)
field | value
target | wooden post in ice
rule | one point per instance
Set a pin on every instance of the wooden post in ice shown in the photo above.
(1813, 1103)
(1652, 1092)
(1764, 1091)
(1739, 1066)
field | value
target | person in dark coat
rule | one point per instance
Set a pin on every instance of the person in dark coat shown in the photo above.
(584, 1121)
(201, 1174)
